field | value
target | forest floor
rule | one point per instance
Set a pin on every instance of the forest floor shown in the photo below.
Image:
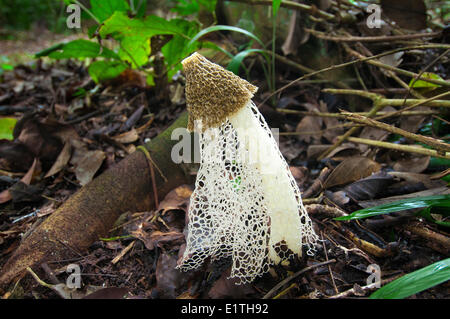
(58, 104)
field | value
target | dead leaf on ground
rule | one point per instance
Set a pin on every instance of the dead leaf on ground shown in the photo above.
(412, 164)
(371, 133)
(176, 198)
(159, 239)
(345, 150)
(127, 137)
(408, 14)
(171, 282)
(369, 187)
(351, 170)
(299, 173)
(309, 127)
(6, 195)
(15, 156)
(225, 288)
(88, 165)
(61, 161)
(418, 178)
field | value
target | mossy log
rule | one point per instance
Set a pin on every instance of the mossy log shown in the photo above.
(91, 212)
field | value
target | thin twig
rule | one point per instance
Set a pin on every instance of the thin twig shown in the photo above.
(383, 38)
(399, 147)
(363, 59)
(298, 273)
(434, 143)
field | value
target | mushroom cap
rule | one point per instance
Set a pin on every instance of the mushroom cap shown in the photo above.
(213, 93)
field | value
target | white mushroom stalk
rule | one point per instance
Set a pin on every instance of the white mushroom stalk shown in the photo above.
(246, 203)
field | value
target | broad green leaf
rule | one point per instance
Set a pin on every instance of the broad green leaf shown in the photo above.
(120, 23)
(209, 5)
(7, 128)
(224, 28)
(275, 6)
(103, 9)
(78, 49)
(415, 282)
(186, 7)
(236, 62)
(105, 70)
(423, 84)
(419, 202)
(135, 50)
(177, 48)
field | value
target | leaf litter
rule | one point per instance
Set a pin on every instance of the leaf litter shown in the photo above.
(69, 130)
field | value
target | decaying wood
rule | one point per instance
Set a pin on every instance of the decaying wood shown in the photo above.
(92, 211)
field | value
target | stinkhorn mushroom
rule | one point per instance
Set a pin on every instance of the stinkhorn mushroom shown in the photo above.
(246, 203)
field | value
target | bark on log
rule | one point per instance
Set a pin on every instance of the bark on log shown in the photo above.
(91, 212)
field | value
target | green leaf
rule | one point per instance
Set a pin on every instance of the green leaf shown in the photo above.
(424, 84)
(105, 70)
(224, 28)
(186, 7)
(236, 62)
(7, 127)
(135, 50)
(275, 6)
(435, 210)
(419, 202)
(103, 9)
(177, 48)
(415, 282)
(78, 49)
(120, 23)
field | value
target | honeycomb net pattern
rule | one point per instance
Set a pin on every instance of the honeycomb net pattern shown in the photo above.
(228, 213)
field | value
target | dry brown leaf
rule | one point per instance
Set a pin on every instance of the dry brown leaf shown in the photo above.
(351, 170)
(127, 137)
(412, 164)
(88, 165)
(6, 195)
(408, 14)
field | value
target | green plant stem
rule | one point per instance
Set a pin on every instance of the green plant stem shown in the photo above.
(87, 11)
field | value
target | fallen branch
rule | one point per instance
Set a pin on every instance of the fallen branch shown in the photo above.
(92, 211)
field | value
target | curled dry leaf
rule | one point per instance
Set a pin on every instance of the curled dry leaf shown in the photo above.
(127, 137)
